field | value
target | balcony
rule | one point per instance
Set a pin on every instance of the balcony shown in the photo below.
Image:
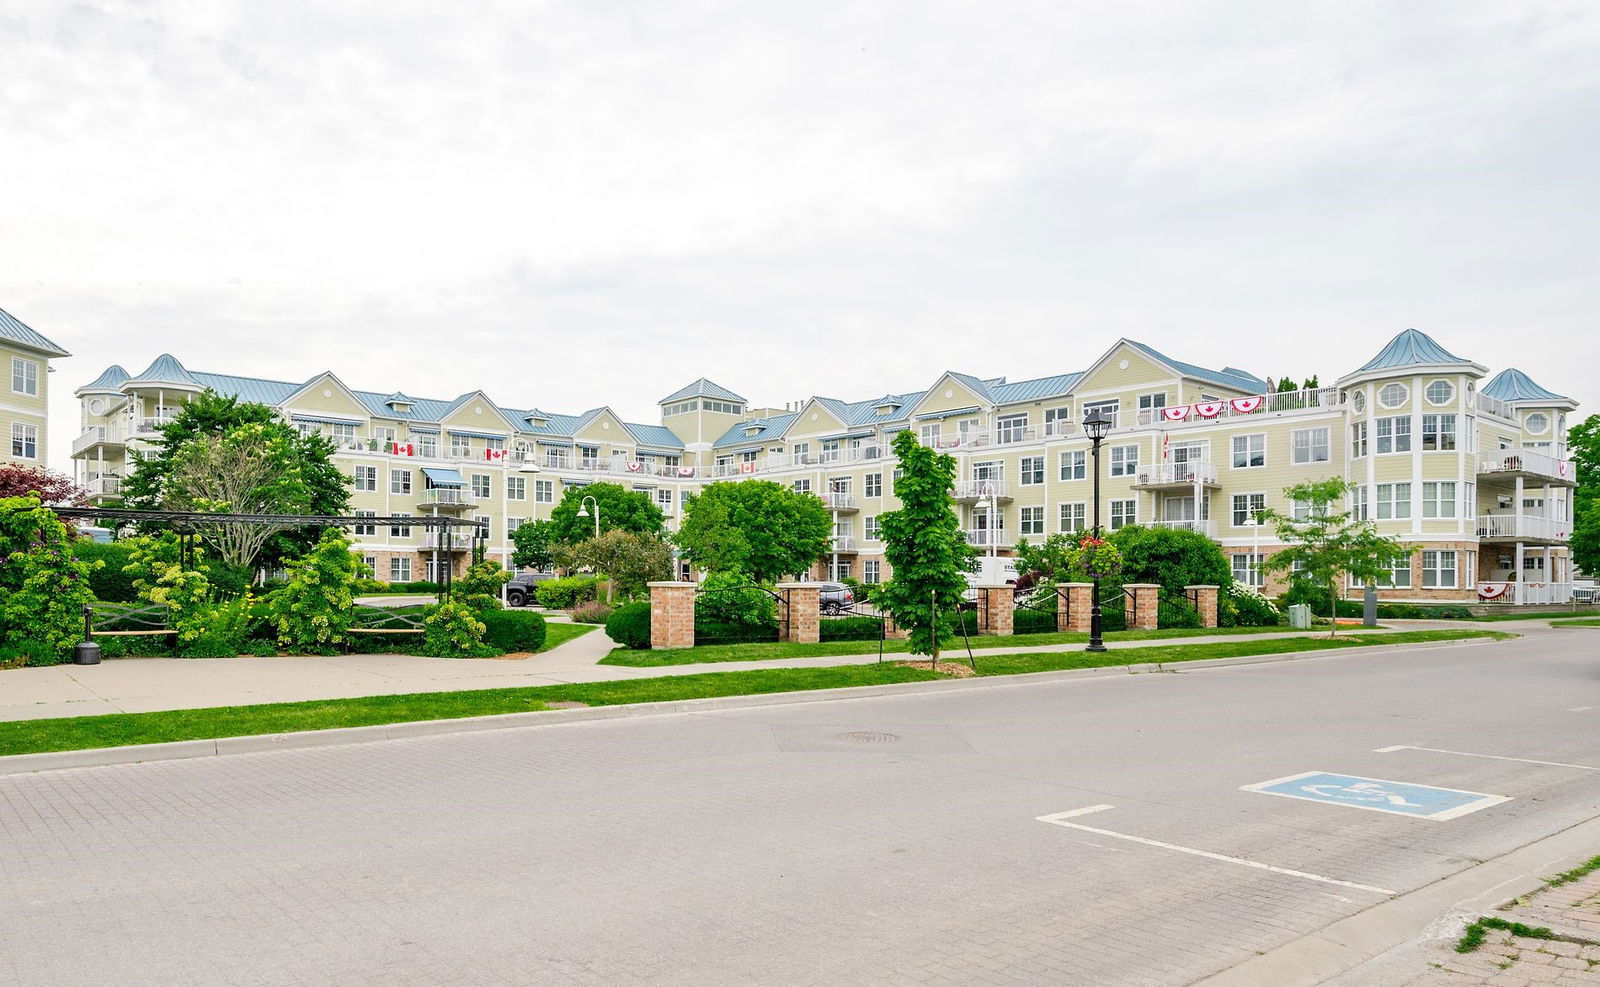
(1528, 594)
(103, 486)
(151, 427)
(1521, 527)
(842, 545)
(973, 490)
(447, 498)
(843, 503)
(984, 537)
(454, 541)
(1207, 528)
(1512, 463)
(1167, 475)
(1494, 406)
(110, 436)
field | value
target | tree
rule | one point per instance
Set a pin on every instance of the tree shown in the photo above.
(630, 560)
(52, 488)
(534, 540)
(1049, 559)
(763, 529)
(620, 510)
(1172, 557)
(322, 488)
(1330, 545)
(924, 545)
(1583, 445)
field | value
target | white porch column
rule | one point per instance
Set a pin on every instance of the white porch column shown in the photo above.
(1516, 509)
(1522, 583)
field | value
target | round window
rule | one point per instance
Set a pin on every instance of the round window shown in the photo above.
(1359, 402)
(1440, 392)
(1537, 422)
(1393, 395)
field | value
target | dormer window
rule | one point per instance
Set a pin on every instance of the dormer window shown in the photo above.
(754, 429)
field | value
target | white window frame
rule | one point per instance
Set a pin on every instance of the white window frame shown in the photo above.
(1124, 512)
(24, 377)
(544, 491)
(399, 481)
(1030, 520)
(1305, 453)
(1449, 396)
(1437, 564)
(364, 478)
(1074, 464)
(1396, 390)
(1252, 505)
(1124, 460)
(1251, 448)
(482, 487)
(1032, 468)
(1439, 498)
(24, 441)
(1444, 438)
(872, 485)
(516, 488)
(400, 569)
(1392, 501)
(1073, 516)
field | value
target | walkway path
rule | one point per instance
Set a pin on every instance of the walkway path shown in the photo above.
(137, 685)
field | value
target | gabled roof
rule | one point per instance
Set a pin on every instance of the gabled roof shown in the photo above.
(1227, 377)
(109, 381)
(1033, 390)
(166, 370)
(771, 428)
(1410, 349)
(702, 388)
(973, 384)
(1512, 384)
(659, 436)
(12, 330)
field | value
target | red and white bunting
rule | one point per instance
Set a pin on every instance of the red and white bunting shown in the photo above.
(1209, 409)
(401, 449)
(635, 467)
(686, 471)
(1176, 414)
(1561, 467)
(1492, 591)
(1246, 405)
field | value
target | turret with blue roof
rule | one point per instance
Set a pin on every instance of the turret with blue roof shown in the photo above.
(109, 382)
(165, 371)
(1413, 350)
(1515, 387)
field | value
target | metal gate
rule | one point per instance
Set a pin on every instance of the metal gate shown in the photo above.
(722, 616)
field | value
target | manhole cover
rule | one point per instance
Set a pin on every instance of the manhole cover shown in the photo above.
(868, 737)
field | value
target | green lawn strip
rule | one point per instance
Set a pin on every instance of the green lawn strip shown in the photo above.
(1492, 617)
(118, 729)
(767, 651)
(1580, 622)
(557, 634)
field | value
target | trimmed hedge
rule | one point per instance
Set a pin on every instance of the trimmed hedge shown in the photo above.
(629, 626)
(513, 630)
(850, 629)
(721, 632)
(1028, 621)
(568, 592)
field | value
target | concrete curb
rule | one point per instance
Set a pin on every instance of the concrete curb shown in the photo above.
(1378, 946)
(184, 749)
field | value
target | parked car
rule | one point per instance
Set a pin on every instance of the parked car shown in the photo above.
(519, 588)
(835, 597)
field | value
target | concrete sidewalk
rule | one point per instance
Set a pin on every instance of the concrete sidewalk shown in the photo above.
(139, 685)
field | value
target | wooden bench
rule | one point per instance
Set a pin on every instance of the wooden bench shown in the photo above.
(387, 630)
(132, 633)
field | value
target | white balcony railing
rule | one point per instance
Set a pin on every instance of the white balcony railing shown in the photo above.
(1495, 406)
(1522, 526)
(840, 501)
(1169, 474)
(842, 543)
(977, 489)
(454, 541)
(1524, 593)
(103, 486)
(1207, 528)
(446, 497)
(1525, 461)
(98, 435)
(988, 536)
(152, 426)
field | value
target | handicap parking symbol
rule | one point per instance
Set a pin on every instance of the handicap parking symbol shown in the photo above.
(1378, 795)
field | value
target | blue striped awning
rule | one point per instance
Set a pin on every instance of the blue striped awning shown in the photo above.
(476, 435)
(327, 419)
(847, 435)
(444, 477)
(418, 430)
(558, 443)
(947, 414)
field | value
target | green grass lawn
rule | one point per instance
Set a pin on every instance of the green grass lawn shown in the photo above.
(766, 650)
(557, 634)
(77, 733)
(1580, 622)
(1491, 618)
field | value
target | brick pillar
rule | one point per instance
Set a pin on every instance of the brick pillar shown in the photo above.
(892, 632)
(1205, 600)
(995, 604)
(1143, 598)
(800, 619)
(1073, 603)
(672, 615)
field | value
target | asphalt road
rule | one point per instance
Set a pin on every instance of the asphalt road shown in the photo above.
(890, 840)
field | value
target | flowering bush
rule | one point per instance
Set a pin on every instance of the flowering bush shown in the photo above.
(43, 587)
(453, 630)
(1254, 609)
(313, 613)
(479, 586)
(1096, 558)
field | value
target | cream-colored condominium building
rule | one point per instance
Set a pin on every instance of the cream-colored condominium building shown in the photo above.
(1473, 474)
(25, 356)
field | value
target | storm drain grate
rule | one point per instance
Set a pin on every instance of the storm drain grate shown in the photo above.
(868, 737)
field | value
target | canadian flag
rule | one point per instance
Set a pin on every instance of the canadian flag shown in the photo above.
(1210, 409)
(401, 449)
(1246, 405)
(1175, 414)
(748, 466)
(495, 455)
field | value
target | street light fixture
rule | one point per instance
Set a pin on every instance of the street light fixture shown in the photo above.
(583, 512)
(1095, 426)
(1254, 524)
(986, 501)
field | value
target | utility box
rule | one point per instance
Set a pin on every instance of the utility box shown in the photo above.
(1300, 617)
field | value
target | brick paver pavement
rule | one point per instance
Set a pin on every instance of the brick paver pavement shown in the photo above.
(1505, 960)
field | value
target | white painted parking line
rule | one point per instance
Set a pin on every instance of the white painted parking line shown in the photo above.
(1060, 819)
(1492, 757)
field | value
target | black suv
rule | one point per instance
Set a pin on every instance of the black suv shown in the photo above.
(519, 588)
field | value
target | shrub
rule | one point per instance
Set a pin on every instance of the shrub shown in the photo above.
(1252, 608)
(591, 613)
(513, 631)
(109, 582)
(1177, 613)
(482, 579)
(366, 587)
(216, 630)
(314, 612)
(723, 632)
(1028, 621)
(564, 594)
(153, 646)
(43, 587)
(29, 653)
(850, 629)
(454, 630)
(731, 598)
(629, 625)
(1172, 557)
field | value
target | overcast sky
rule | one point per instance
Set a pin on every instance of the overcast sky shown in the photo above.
(570, 204)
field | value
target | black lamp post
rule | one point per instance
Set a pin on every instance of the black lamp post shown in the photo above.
(1095, 426)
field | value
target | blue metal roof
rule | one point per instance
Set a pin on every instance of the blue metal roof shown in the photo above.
(270, 392)
(772, 429)
(13, 331)
(1512, 384)
(1410, 348)
(110, 380)
(654, 435)
(1033, 390)
(1228, 376)
(702, 388)
(166, 370)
